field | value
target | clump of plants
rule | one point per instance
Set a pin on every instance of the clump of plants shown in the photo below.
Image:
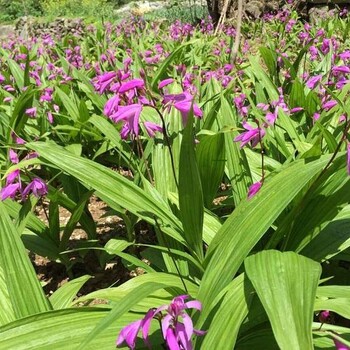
(237, 172)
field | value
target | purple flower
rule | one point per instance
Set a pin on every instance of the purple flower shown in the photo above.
(316, 116)
(13, 156)
(38, 187)
(252, 135)
(103, 82)
(50, 117)
(9, 191)
(165, 82)
(239, 102)
(132, 84)
(296, 109)
(11, 177)
(254, 189)
(31, 112)
(326, 43)
(111, 106)
(344, 55)
(329, 105)
(176, 334)
(130, 115)
(340, 69)
(339, 345)
(151, 128)
(313, 81)
(324, 316)
(129, 333)
(182, 102)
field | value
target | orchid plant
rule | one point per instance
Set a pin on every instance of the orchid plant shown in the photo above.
(239, 171)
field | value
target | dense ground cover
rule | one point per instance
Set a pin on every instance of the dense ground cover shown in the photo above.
(237, 174)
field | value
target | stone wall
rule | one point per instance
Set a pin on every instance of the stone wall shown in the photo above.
(31, 27)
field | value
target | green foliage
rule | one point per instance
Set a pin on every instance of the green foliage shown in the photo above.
(13, 9)
(77, 8)
(263, 267)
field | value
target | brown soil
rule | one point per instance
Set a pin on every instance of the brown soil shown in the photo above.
(53, 274)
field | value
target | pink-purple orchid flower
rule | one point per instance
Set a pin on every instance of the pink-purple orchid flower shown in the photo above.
(183, 102)
(252, 135)
(177, 325)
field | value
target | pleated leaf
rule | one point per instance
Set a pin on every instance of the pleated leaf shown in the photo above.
(6, 310)
(64, 329)
(63, 297)
(111, 187)
(286, 284)
(24, 290)
(211, 163)
(248, 223)
(231, 313)
(190, 191)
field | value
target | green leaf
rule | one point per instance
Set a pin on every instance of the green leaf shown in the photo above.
(68, 103)
(6, 310)
(62, 298)
(162, 69)
(111, 187)
(231, 313)
(332, 239)
(24, 289)
(190, 191)
(211, 164)
(286, 284)
(341, 306)
(17, 73)
(123, 306)
(173, 284)
(270, 59)
(63, 329)
(74, 219)
(237, 165)
(248, 223)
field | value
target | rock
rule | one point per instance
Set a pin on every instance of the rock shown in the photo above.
(254, 8)
(7, 30)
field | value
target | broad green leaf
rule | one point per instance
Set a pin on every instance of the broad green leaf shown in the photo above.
(64, 329)
(211, 163)
(62, 298)
(270, 59)
(256, 70)
(17, 73)
(341, 306)
(231, 313)
(286, 284)
(24, 289)
(332, 239)
(170, 281)
(6, 310)
(248, 223)
(237, 165)
(259, 339)
(162, 69)
(123, 306)
(74, 219)
(113, 188)
(190, 191)
(113, 136)
(333, 292)
(19, 118)
(68, 103)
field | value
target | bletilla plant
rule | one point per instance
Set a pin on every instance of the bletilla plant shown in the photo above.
(177, 335)
(230, 181)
